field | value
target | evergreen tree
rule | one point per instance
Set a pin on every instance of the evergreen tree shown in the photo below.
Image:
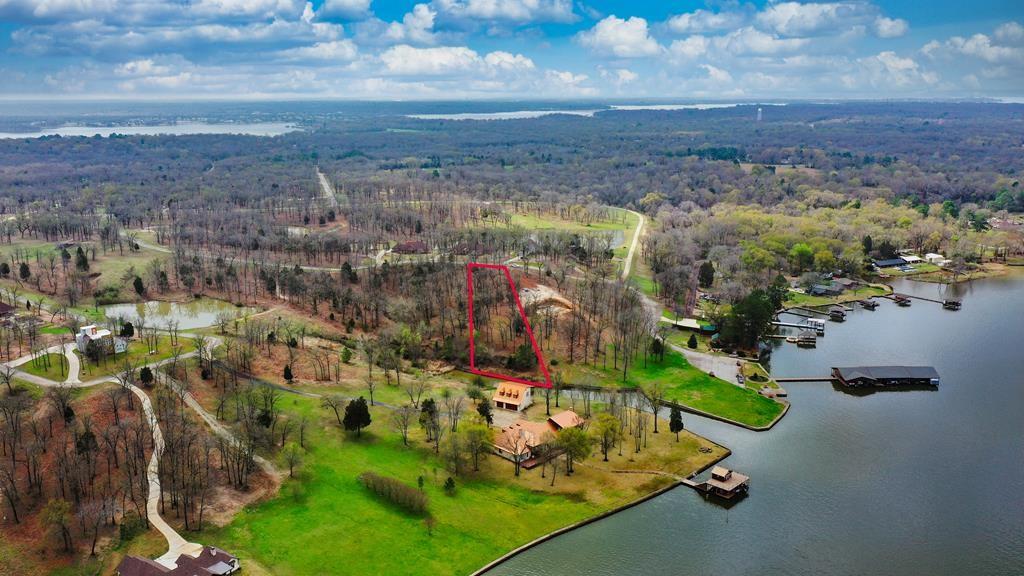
(146, 376)
(484, 409)
(23, 271)
(288, 373)
(140, 288)
(675, 421)
(692, 342)
(357, 416)
(81, 261)
(706, 274)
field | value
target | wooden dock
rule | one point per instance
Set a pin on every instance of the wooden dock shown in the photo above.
(805, 379)
(911, 296)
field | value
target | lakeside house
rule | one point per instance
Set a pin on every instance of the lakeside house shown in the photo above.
(100, 336)
(212, 561)
(865, 376)
(890, 263)
(522, 439)
(513, 396)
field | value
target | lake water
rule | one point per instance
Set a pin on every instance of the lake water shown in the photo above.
(190, 315)
(916, 482)
(516, 115)
(178, 129)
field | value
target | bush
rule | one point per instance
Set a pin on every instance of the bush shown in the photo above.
(397, 492)
(449, 486)
(131, 526)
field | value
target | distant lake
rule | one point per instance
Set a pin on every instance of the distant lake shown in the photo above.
(178, 129)
(518, 115)
(200, 313)
(926, 482)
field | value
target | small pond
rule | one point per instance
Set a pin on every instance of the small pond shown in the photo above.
(199, 313)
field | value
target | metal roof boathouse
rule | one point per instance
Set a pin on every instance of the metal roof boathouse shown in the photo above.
(862, 376)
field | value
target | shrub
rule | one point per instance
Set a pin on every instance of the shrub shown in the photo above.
(397, 492)
(131, 526)
(449, 486)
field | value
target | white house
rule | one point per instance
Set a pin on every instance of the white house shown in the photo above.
(933, 258)
(91, 333)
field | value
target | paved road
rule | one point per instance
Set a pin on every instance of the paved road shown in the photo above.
(176, 544)
(327, 189)
(632, 246)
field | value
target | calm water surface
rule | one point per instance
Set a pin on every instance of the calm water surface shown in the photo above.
(190, 315)
(179, 129)
(921, 482)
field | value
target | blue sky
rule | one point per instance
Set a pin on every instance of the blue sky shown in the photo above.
(494, 49)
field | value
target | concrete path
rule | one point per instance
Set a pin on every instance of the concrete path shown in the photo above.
(74, 366)
(176, 545)
(632, 246)
(724, 367)
(327, 189)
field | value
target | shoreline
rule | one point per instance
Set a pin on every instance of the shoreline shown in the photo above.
(675, 483)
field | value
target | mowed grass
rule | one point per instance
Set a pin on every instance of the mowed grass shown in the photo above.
(622, 221)
(327, 522)
(687, 386)
(862, 293)
(138, 354)
(47, 366)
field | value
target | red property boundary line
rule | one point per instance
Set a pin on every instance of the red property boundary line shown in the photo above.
(522, 314)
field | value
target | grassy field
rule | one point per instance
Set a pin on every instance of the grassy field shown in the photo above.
(137, 353)
(53, 372)
(327, 521)
(688, 386)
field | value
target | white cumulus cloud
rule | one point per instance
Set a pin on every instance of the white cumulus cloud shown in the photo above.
(890, 27)
(622, 38)
(344, 8)
(519, 11)
(700, 21)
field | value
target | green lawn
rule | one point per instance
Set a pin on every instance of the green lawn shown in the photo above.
(800, 299)
(137, 353)
(688, 386)
(328, 522)
(535, 221)
(53, 371)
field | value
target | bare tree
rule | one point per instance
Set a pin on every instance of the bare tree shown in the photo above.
(402, 418)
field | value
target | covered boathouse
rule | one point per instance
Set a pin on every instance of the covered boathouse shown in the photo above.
(865, 376)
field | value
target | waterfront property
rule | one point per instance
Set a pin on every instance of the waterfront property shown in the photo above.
(864, 376)
(837, 313)
(890, 263)
(524, 440)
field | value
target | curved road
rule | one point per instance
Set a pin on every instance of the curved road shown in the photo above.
(176, 544)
